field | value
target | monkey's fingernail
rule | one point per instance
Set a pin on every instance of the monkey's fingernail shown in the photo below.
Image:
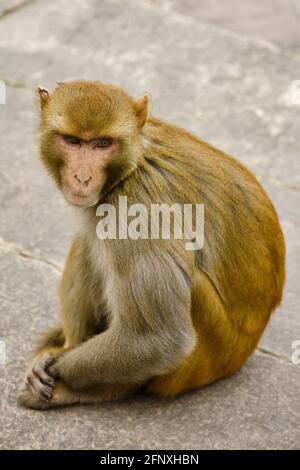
(47, 396)
(50, 383)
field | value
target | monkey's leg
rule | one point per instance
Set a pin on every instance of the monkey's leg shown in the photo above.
(149, 335)
(224, 342)
(77, 320)
(41, 391)
(78, 316)
(52, 339)
(39, 383)
(63, 395)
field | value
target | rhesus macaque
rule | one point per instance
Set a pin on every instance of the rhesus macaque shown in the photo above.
(148, 314)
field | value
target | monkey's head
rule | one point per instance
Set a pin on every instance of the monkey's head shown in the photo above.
(90, 137)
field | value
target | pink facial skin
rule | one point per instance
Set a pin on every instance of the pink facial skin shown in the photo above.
(83, 174)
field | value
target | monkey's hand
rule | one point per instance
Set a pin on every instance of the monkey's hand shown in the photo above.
(61, 369)
(39, 384)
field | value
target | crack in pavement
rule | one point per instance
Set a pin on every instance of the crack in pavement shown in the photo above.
(19, 85)
(273, 354)
(15, 8)
(22, 252)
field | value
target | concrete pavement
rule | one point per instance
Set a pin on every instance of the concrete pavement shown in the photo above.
(224, 77)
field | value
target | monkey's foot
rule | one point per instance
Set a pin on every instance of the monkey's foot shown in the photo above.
(38, 381)
(61, 395)
(27, 399)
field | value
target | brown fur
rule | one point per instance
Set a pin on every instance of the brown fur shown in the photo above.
(148, 313)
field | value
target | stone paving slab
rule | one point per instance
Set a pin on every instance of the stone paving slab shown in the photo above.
(9, 6)
(241, 412)
(229, 90)
(276, 21)
(189, 67)
(284, 326)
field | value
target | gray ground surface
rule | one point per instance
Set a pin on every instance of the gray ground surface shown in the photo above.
(204, 73)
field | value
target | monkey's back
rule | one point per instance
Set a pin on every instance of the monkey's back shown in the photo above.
(240, 271)
(243, 238)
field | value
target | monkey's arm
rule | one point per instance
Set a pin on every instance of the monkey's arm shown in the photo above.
(77, 322)
(77, 300)
(150, 333)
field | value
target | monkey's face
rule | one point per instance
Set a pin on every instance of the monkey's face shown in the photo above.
(83, 172)
(89, 138)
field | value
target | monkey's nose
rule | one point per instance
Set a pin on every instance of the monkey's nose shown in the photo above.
(83, 180)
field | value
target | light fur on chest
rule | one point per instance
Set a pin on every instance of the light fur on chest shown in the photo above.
(101, 263)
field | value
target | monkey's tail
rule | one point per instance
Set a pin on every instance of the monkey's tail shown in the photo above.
(53, 337)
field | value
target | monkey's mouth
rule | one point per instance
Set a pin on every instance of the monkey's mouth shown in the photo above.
(80, 200)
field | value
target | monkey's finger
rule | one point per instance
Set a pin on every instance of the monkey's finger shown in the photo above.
(38, 396)
(53, 371)
(40, 390)
(47, 360)
(41, 374)
(36, 392)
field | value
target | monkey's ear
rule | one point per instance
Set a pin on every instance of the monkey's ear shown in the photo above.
(44, 96)
(142, 109)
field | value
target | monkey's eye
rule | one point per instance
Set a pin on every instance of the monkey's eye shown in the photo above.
(104, 142)
(70, 139)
